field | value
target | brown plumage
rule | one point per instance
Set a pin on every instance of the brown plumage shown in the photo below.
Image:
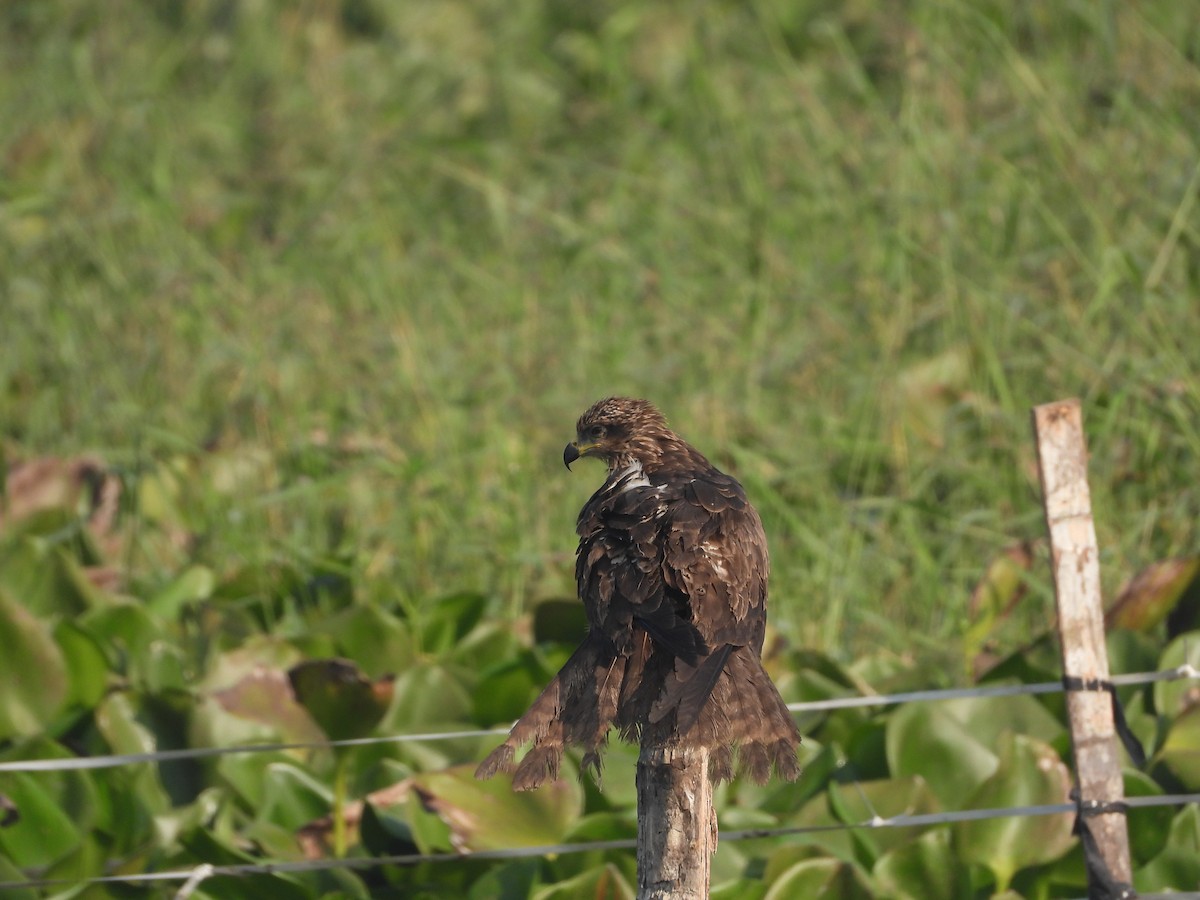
(672, 571)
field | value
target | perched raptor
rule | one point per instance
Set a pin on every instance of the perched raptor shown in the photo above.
(672, 571)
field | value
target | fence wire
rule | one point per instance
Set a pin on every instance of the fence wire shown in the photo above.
(205, 871)
(108, 761)
(193, 877)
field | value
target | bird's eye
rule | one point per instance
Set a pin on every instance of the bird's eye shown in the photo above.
(596, 432)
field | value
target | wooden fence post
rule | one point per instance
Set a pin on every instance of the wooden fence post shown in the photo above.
(677, 825)
(1062, 465)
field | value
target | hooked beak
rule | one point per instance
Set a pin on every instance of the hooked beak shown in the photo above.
(575, 450)
(570, 454)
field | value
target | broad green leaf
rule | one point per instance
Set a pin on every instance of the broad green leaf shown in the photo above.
(130, 632)
(1180, 752)
(444, 621)
(816, 814)
(10, 872)
(341, 700)
(426, 695)
(1178, 865)
(505, 691)
(117, 720)
(45, 831)
(859, 802)
(513, 880)
(1170, 697)
(33, 674)
(1029, 772)
(291, 796)
(203, 845)
(373, 638)
(924, 869)
(742, 889)
(192, 585)
(87, 666)
(264, 706)
(604, 883)
(384, 834)
(47, 578)
(820, 878)
(1149, 825)
(488, 815)
(255, 654)
(925, 739)
(987, 718)
(489, 643)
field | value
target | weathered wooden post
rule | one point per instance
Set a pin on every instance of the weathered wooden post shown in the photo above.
(1062, 465)
(677, 825)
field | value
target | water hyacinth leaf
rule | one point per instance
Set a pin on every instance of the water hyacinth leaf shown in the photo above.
(263, 696)
(489, 815)
(1151, 595)
(1028, 773)
(862, 801)
(924, 869)
(44, 831)
(383, 833)
(87, 665)
(1149, 826)
(192, 585)
(446, 620)
(924, 739)
(1171, 697)
(9, 872)
(513, 880)
(1178, 865)
(986, 718)
(489, 643)
(203, 845)
(830, 837)
(505, 690)
(47, 578)
(820, 878)
(129, 631)
(291, 796)
(1180, 752)
(33, 672)
(340, 698)
(429, 695)
(603, 883)
(375, 639)
(742, 889)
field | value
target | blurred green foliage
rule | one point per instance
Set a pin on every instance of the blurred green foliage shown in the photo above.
(323, 286)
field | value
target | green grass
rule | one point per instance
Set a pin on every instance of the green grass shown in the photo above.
(354, 269)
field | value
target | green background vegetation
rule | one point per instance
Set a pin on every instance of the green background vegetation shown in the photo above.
(325, 285)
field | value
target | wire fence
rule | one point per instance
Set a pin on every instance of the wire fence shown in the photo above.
(1185, 671)
(191, 878)
(925, 820)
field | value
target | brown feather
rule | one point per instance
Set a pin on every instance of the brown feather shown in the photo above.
(672, 571)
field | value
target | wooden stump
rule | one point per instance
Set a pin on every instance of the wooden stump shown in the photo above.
(677, 825)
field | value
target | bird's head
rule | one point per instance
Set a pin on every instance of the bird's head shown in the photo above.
(620, 431)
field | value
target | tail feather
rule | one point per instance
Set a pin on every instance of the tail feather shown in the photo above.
(688, 689)
(577, 707)
(746, 712)
(727, 703)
